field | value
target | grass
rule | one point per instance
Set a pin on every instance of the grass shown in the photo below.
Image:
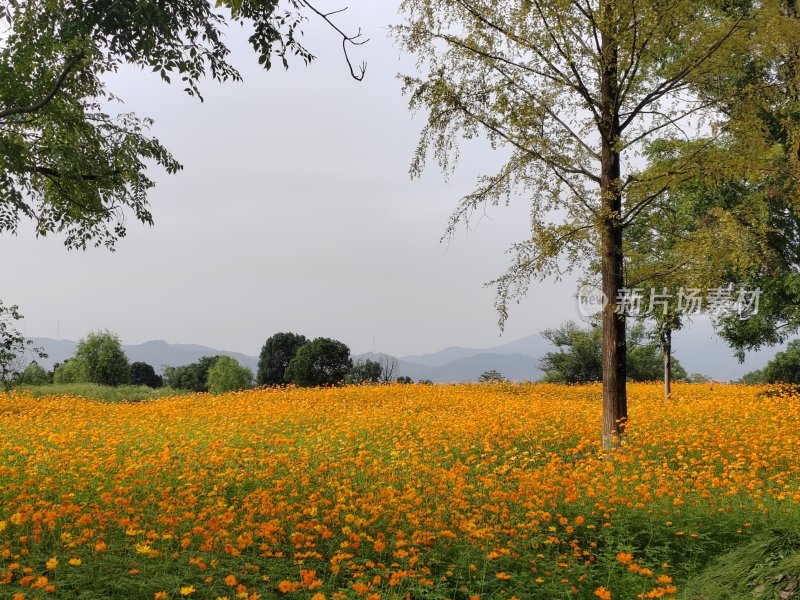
(465, 492)
(766, 568)
(94, 391)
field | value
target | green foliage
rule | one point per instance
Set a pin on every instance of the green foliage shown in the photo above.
(12, 345)
(226, 375)
(34, 374)
(105, 361)
(405, 380)
(734, 217)
(368, 371)
(764, 568)
(578, 358)
(71, 371)
(276, 354)
(144, 374)
(753, 377)
(784, 367)
(65, 162)
(492, 376)
(192, 377)
(106, 393)
(321, 362)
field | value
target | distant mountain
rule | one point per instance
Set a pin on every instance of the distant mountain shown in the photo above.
(466, 368)
(532, 346)
(158, 353)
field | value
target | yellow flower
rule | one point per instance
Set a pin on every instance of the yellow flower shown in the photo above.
(75, 562)
(187, 590)
(51, 563)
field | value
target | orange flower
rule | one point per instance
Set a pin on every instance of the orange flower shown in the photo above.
(602, 593)
(624, 557)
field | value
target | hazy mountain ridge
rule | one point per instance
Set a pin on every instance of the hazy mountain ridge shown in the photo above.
(466, 368)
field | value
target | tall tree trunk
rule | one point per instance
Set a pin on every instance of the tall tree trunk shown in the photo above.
(666, 348)
(615, 402)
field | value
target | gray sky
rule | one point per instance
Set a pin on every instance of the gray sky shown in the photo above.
(294, 212)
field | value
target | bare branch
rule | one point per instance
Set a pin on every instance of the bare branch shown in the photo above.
(346, 38)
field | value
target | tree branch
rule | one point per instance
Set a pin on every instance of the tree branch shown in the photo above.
(346, 38)
(69, 65)
(677, 80)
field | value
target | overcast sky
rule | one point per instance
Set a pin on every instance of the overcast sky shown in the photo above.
(294, 212)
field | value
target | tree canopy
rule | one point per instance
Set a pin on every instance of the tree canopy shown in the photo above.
(192, 377)
(104, 359)
(227, 375)
(783, 368)
(143, 373)
(67, 161)
(322, 361)
(577, 358)
(365, 371)
(276, 354)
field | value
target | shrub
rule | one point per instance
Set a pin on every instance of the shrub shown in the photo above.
(228, 375)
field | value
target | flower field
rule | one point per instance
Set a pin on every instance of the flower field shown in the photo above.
(461, 492)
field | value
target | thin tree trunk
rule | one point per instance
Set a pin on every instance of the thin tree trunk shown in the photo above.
(615, 403)
(667, 350)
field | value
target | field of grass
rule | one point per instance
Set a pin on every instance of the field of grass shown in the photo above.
(438, 492)
(95, 391)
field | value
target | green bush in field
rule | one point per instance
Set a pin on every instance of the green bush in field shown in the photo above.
(106, 363)
(192, 377)
(34, 374)
(144, 374)
(71, 371)
(228, 375)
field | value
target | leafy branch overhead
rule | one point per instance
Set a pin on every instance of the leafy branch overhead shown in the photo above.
(65, 162)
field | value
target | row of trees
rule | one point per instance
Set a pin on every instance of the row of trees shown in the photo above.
(578, 357)
(783, 368)
(100, 359)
